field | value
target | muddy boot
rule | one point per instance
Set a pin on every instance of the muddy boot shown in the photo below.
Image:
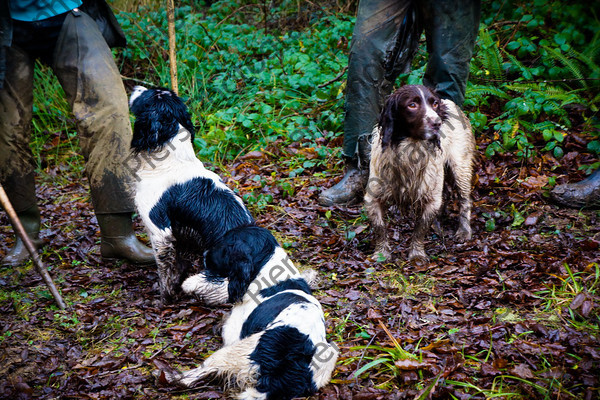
(349, 190)
(118, 240)
(18, 254)
(584, 194)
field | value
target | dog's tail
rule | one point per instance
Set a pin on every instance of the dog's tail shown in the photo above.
(231, 363)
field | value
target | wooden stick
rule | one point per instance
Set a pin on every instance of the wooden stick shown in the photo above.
(172, 45)
(30, 247)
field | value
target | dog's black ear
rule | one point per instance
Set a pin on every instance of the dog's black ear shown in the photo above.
(239, 282)
(233, 260)
(182, 115)
(389, 121)
(241, 270)
(152, 130)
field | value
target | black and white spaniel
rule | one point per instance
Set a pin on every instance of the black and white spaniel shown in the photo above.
(419, 136)
(274, 344)
(185, 207)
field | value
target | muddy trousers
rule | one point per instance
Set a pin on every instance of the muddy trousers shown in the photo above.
(384, 41)
(83, 63)
(85, 68)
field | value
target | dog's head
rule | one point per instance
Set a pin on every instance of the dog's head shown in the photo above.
(412, 111)
(159, 116)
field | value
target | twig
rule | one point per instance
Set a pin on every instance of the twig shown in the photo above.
(32, 250)
(136, 80)
(363, 356)
(172, 44)
(337, 78)
(117, 371)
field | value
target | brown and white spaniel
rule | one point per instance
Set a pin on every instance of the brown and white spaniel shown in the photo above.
(418, 139)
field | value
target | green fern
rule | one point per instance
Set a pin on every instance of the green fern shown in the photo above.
(594, 69)
(489, 56)
(480, 92)
(571, 64)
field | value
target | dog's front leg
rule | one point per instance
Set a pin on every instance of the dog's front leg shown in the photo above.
(463, 182)
(376, 216)
(168, 272)
(422, 226)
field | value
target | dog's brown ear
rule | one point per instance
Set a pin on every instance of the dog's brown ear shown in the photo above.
(389, 122)
(443, 109)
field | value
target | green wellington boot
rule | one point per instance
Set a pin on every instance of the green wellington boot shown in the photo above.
(118, 240)
(349, 190)
(18, 254)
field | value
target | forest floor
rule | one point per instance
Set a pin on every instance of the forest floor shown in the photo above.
(512, 313)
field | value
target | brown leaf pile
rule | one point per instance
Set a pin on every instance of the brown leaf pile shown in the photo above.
(498, 313)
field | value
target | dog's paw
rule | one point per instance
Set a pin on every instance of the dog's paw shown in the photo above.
(209, 292)
(417, 255)
(251, 394)
(382, 254)
(462, 235)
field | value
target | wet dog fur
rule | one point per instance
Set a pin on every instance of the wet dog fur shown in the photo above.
(417, 139)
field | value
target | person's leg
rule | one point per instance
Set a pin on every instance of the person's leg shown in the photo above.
(583, 194)
(86, 70)
(451, 28)
(382, 46)
(16, 160)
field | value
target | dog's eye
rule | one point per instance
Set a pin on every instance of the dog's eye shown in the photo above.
(435, 104)
(412, 105)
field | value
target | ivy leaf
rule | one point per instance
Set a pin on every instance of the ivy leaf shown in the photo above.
(490, 225)
(558, 152)
(594, 146)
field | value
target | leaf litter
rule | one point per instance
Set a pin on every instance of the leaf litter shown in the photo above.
(512, 312)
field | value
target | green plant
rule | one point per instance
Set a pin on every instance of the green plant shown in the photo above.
(536, 68)
(247, 87)
(574, 298)
(388, 358)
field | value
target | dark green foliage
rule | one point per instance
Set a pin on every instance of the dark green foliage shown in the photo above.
(249, 85)
(542, 62)
(255, 72)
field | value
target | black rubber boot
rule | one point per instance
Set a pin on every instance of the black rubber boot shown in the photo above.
(18, 254)
(118, 240)
(349, 190)
(584, 194)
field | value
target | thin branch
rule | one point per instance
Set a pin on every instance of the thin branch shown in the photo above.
(337, 78)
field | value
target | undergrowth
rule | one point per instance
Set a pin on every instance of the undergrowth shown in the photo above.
(254, 75)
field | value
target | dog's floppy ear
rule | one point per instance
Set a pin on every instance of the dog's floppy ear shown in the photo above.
(182, 115)
(238, 283)
(388, 121)
(233, 260)
(442, 109)
(151, 131)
